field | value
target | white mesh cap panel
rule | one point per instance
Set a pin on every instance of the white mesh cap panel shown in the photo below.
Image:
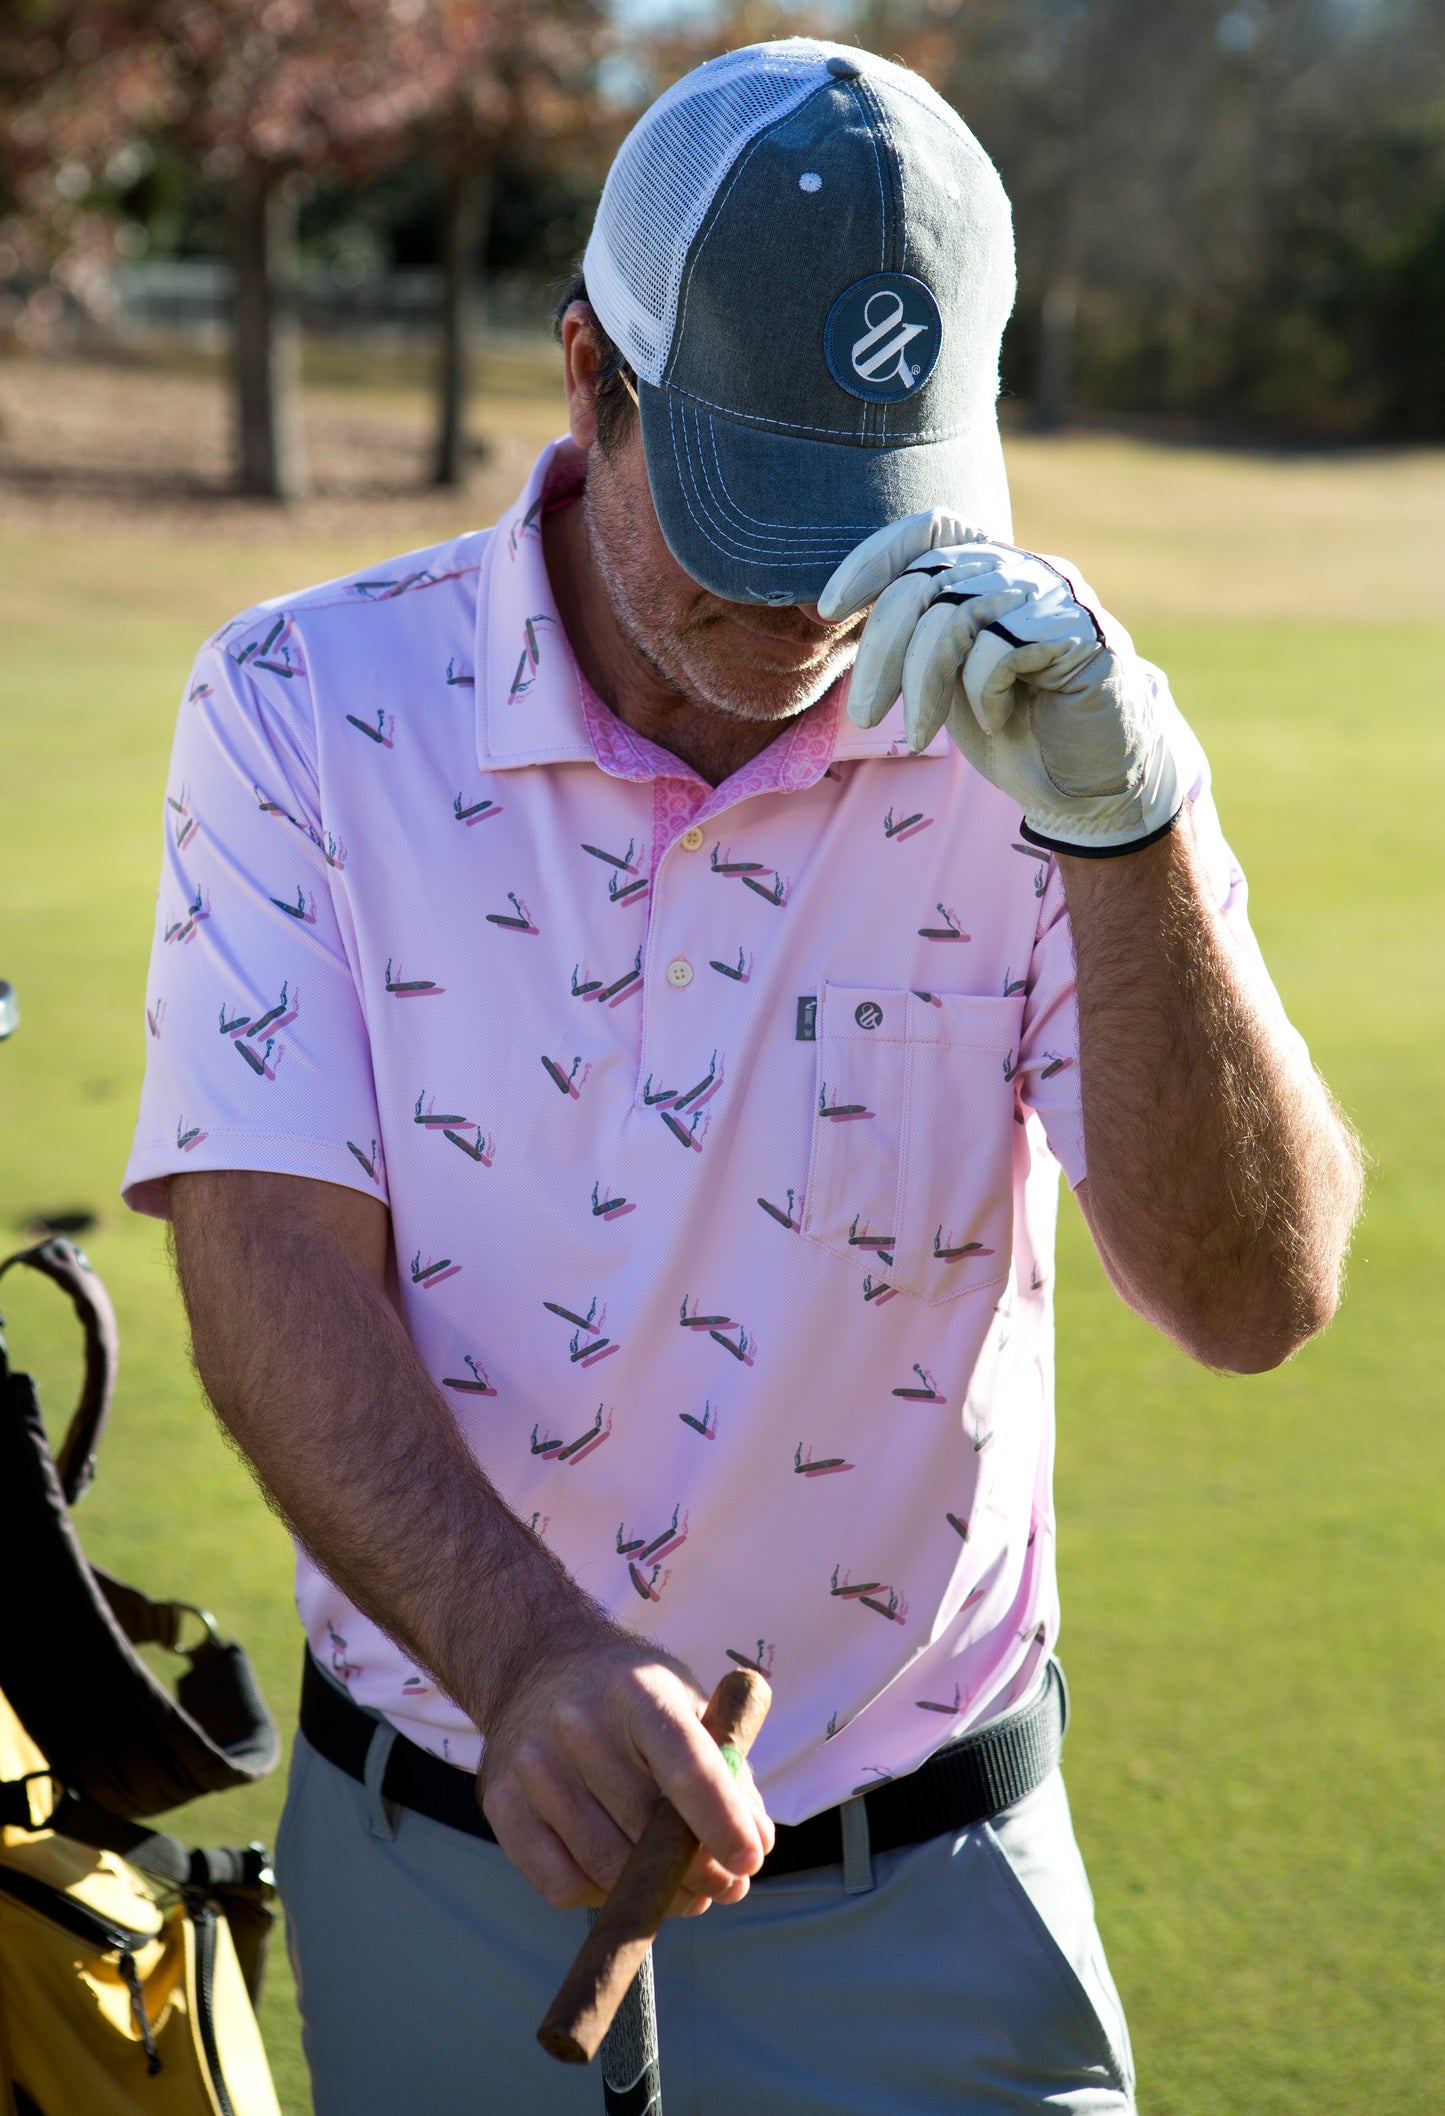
(666, 175)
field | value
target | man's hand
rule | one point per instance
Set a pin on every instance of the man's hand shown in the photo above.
(1222, 1183)
(313, 1375)
(574, 1761)
(1046, 704)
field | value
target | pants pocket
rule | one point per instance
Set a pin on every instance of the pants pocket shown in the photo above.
(300, 1767)
(911, 1173)
(1039, 1865)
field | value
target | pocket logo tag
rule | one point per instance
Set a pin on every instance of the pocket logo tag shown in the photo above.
(869, 1015)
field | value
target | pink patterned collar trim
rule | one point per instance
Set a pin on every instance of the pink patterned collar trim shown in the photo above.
(620, 750)
(564, 478)
(796, 758)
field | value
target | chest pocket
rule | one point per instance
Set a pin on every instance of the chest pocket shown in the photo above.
(911, 1174)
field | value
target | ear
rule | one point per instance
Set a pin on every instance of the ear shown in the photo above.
(579, 372)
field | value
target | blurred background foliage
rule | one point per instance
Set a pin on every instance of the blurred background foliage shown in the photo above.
(1231, 216)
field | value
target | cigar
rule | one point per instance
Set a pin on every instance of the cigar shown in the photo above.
(628, 1921)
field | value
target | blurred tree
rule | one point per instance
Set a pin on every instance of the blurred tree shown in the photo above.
(1092, 110)
(61, 153)
(261, 95)
(524, 101)
(255, 95)
(1194, 184)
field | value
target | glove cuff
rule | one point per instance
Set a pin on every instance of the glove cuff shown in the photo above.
(1097, 852)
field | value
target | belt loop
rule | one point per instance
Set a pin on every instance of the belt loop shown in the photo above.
(857, 1851)
(381, 1814)
(1061, 1683)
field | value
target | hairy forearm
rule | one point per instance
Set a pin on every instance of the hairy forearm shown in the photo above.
(312, 1374)
(1222, 1182)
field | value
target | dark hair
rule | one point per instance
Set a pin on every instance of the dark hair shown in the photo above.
(615, 409)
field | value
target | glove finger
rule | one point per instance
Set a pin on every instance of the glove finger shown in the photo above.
(962, 563)
(974, 611)
(990, 606)
(881, 557)
(974, 568)
(988, 679)
(878, 670)
(1056, 663)
(998, 660)
(941, 639)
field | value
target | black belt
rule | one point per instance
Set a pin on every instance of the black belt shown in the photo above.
(972, 1778)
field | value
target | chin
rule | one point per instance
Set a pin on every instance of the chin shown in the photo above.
(765, 691)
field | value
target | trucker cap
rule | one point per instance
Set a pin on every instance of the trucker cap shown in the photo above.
(808, 261)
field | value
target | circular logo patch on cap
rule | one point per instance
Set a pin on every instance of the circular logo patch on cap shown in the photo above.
(883, 337)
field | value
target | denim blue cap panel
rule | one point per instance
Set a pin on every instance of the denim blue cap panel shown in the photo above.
(759, 515)
(834, 363)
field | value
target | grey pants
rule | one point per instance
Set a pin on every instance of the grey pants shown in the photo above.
(968, 1977)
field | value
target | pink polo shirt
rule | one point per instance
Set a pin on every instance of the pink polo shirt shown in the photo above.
(720, 1130)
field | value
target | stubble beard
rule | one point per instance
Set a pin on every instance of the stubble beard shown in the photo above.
(688, 640)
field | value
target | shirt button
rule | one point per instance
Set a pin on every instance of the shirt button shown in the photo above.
(679, 972)
(691, 840)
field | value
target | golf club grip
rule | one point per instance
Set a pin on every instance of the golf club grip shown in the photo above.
(631, 2073)
(613, 1950)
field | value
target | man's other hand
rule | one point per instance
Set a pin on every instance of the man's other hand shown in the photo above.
(1043, 695)
(312, 1374)
(575, 1758)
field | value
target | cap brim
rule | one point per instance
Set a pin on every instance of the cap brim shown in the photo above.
(760, 516)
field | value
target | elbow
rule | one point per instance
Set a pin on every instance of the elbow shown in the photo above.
(1256, 1341)
(1260, 1353)
(1291, 1292)
(1239, 1306)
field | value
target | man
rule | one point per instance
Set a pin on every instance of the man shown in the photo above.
(610, 1106)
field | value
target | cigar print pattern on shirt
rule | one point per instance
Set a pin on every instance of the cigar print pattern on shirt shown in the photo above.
(593, 1159)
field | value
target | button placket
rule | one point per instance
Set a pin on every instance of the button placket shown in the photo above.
(680, 909)
(677, 1020)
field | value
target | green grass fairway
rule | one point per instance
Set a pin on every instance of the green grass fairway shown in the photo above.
(1254, 1571)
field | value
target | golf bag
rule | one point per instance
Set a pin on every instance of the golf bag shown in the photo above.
(129, 1964)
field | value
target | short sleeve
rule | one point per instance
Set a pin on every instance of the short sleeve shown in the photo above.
(1049, 1072)
(257, 1054)
(1048, 1064)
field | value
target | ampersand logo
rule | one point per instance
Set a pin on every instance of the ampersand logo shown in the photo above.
(883, 337)
(869, 1015)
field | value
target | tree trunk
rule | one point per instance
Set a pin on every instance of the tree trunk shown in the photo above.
(464, 215)
(1053, 385)
(270, 462)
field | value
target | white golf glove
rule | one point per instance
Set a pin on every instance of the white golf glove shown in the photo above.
(993, 641)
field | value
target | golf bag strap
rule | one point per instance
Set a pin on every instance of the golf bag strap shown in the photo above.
(112, 1732)
(150, 1623)
(164, 1858)
(69, 1268)
(207, 1867)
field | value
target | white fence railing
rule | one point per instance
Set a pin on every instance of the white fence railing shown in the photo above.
(188, 296)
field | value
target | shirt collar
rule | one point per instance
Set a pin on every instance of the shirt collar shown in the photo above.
(534, 706)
